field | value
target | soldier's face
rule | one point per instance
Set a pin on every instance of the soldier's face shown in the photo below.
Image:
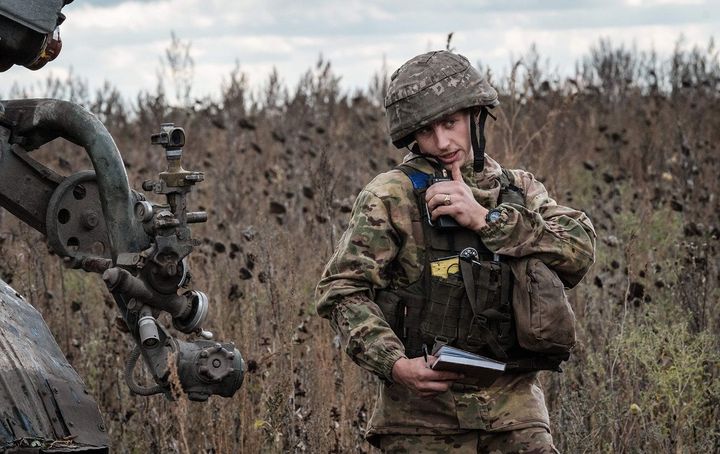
(447, 139)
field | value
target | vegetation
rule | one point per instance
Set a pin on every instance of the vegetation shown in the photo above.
(630, 139)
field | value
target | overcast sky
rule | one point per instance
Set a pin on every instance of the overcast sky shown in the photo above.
(123, 41)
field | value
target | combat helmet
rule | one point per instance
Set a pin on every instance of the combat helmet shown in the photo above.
(430, 86)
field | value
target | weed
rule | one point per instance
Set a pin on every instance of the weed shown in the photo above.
(629, 139)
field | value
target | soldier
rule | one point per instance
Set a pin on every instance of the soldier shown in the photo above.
(442, 250)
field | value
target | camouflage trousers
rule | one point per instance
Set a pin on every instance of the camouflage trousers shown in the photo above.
(533, 440)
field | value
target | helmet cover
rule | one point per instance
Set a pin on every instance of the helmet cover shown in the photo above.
(430, 86)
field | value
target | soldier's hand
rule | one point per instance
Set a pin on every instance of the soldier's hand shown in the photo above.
(415, 375)
(455, 199)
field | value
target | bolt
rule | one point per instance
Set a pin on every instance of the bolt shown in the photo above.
(89, 219)
(204, 354)
(216, 363)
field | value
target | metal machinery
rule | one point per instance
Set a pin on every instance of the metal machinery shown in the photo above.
(95, 222)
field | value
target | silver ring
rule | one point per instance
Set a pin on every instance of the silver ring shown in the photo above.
(446, 200)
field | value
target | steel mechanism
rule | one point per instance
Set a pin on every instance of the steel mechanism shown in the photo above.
(74, 214)
(96, 223)
(155, 280)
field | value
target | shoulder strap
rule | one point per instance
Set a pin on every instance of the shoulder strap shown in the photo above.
(509, 193)
(506, 178)
(420, 180)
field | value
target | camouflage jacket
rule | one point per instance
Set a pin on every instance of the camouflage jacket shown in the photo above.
(380, 249)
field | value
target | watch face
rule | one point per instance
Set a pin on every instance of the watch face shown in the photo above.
(493, 215)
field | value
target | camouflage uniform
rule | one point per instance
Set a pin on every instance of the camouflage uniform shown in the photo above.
(380, 249)
(383, 248)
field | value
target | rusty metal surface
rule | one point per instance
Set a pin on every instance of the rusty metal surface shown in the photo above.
(75, 223)
(36, 122)
(42, 398)
(25, 185)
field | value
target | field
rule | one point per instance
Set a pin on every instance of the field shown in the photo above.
(631, 139)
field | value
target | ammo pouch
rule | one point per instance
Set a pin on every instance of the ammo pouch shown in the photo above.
(471, 309)
(446, 315)
(402, 310)
(544, 320)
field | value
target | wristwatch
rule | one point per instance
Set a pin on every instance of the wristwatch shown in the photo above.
(493, 215)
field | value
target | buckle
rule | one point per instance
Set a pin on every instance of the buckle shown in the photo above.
(469, 254)
(481, 321)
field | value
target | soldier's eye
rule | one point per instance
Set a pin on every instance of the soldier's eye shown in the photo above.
(424, 132)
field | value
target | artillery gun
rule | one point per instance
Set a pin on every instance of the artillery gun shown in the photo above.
(96, 223)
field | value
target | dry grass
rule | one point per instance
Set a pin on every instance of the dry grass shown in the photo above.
(631, 140)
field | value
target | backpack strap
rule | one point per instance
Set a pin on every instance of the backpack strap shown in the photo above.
(509, 193)
(420, 180)
(506, 178)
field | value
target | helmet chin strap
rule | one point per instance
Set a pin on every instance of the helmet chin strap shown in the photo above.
(477, 138)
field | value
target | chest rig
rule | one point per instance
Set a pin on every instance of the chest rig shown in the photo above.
(464, 295)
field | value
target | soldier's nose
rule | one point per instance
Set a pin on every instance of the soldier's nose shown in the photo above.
(442, 140)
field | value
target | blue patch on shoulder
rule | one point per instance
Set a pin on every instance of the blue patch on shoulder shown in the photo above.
(420, 180)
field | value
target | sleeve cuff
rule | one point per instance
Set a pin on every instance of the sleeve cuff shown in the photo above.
(386, 362)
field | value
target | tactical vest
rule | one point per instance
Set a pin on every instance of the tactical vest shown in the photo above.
(464, 295)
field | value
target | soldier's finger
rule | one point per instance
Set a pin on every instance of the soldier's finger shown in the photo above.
(436, 189)
(451, 210)
(455, 171)
(441, 375)
(435, 386)
(439, 211)
(444, 187)
(439, 389)
(432, 200)
(439, 199)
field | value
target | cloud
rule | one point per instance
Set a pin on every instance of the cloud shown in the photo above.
(651, 3)
(123, 41)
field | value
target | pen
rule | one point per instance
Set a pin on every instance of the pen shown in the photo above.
(425, 354)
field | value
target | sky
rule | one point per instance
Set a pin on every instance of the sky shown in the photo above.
(123, 41)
